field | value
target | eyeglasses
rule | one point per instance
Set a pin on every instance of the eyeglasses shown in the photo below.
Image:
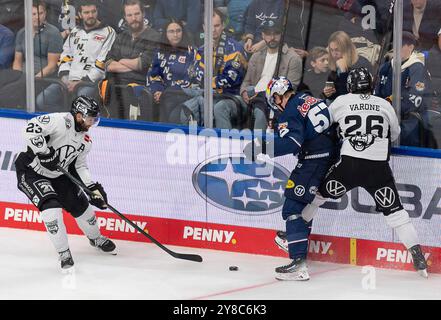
(174, 31)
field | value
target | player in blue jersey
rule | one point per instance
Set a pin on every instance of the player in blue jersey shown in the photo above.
(302, 128)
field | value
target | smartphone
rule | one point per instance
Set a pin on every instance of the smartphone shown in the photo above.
(330, 84)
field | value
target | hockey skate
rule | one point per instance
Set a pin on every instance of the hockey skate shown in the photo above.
(67, 263)
(281, 241)
(104, 244)
(297, 270)
(419, 262)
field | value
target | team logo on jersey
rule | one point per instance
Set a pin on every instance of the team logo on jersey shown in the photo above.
(182, 59)
(52, 226)
(365, 96)
(420, 86)
(99, 37)
(36, 200)
(385, 197)
(44, 119)
(283, 129)
(230, 184)
(290, 184)
(68, 122)
(38, 141)
(299, 190)
(335, 188)
(361, 142)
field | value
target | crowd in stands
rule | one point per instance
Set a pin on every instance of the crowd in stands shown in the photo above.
(145, 58)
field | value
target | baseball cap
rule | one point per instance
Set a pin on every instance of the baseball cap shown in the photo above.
(271, 25)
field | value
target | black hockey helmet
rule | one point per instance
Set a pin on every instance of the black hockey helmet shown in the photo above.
(89, 110)
(85, 105)
(359, 81)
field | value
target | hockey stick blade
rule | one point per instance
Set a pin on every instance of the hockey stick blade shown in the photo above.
(184, 256)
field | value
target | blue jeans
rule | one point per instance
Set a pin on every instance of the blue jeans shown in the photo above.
(51, 98)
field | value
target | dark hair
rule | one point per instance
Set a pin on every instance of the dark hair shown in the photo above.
(83, 3)
(38, 3)
(132, 3)
(185, 41)
(217, 12)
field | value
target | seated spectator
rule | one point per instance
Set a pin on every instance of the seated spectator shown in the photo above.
(237, 10)
(415, 86)
(6, 47)
(317, 69)
(169, 72)
(189, 12)
(229, 71)
(12, 14)
(258, 11)
(82, 62)
(48, 44)
(421, 17)
(262, 68)
(129, 60)
(343, 57)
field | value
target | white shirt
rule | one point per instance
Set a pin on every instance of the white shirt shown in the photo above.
(267, 72)
(367, 125)
(57, 130)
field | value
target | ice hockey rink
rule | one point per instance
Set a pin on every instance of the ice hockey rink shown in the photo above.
(29, 270)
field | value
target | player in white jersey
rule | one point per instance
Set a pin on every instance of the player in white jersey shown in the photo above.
(368, 124)
(61, 139)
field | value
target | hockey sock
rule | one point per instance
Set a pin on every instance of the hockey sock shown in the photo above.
(53, 220)
(401, 223)
(309, 212)
(87, 223)
(297, 232)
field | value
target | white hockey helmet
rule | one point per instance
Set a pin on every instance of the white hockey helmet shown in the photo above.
(279, 86)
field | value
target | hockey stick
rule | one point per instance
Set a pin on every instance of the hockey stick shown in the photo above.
(184, 256)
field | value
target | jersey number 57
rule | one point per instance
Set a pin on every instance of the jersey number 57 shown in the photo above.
(319, 120)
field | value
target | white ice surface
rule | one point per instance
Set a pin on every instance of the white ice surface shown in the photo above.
(29, 269)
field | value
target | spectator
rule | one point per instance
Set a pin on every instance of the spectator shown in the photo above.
(262, 68)
(229, 71)
(48, 43)
(237, 10)
(130, 58)
(343, 57)
(258, 11)
(421, 17)
(12, 14)
(169, 72)
(189, 12)
(82, 62)
(415, 86)
(6, 47)
(317, 69)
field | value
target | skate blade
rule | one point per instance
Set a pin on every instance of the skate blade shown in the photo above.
(67, 271)
(298, 276)
(279, 243)
(112, 253)
(423, 273)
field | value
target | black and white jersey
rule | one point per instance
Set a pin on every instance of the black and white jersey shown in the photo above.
(84, 53)
(367, 125)
(57, 130)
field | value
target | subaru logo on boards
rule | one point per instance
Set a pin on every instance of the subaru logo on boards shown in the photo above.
(226, 182)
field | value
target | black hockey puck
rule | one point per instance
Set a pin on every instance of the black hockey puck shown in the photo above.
(234, 268)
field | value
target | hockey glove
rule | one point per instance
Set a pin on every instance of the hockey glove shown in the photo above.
(99, 199)
(49, 160)
(254, 148)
